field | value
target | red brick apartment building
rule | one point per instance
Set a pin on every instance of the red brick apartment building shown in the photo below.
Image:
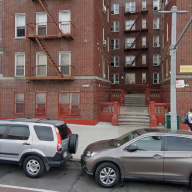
(54, 58)
(135, 44)
(184, 55)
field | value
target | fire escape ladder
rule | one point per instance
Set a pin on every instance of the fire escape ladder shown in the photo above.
(49, 15)
(135, 20)
(40, 42)
(135, 57)
(135, 39)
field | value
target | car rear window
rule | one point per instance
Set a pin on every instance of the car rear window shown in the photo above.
(44, 133)
(64, 131)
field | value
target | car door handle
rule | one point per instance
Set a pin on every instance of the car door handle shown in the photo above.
(26, 143)
(157, 156)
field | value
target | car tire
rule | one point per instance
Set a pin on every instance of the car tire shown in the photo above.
(107, 175)
(33, 166)
(73, 143)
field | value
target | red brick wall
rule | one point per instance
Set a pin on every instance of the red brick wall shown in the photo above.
(88, 19)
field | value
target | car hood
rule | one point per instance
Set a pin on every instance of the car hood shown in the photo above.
(99, 146)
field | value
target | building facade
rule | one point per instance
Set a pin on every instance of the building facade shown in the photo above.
(54, 59)
(135, 44)
(183, 58)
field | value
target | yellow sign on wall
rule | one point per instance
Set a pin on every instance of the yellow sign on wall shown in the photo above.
(185, 68)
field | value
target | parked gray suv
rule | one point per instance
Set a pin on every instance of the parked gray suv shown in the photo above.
(36, 144)
(144, 154)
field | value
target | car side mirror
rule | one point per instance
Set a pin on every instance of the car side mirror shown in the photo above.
(132, 148)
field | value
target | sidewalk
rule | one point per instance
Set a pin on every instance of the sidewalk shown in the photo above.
(101, 131)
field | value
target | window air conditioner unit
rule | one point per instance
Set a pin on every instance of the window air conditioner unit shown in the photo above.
(104, 9)
(104, 43)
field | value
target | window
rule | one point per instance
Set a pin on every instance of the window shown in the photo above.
(108, 15)
(115, 44)
(44, 133)
(69, 104)
(0, 26)
(130, 7)
(156, 23)
(143, 41)
(19, 103)
(40, 108)
(108, 43)
(2, 130)
(130, 60)
(18, 132)
(156, 41)
(156, 60)
(129, 25)
(20, 25)
(179, 144)
(114, 9)
(41, 27)
(65, 63)
(130, 78)
(166, 67)
(167, 32)
(156, 78)
(144, 24)
(156, 5)
(19, 64)
(41, 62)
(129, 43)
(143, 77)
(144, 59)
(1, 56)
(65, 22)
(104, 68)
(152, 143)
(115, 78)
(114, 26)
(114, 61)
(144, 5)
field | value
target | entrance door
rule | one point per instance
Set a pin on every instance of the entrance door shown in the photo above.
(65, 24)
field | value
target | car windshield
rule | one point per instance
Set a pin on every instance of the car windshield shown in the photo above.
(123, 139)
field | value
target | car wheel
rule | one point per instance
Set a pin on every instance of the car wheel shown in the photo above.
(33, 166)
(107, 174)
(73, 143)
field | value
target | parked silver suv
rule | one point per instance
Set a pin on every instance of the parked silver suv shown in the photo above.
(36, 144)
(143, 154)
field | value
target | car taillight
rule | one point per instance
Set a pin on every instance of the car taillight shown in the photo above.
(59, 140)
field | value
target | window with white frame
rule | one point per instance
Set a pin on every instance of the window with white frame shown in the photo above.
(114, 78)
(144, 6)
(129, 42)
(156, 5)
(0, 26)
(20, 25)
(19, 64)
(41, 63)
(144, 59)
(115, 26)
(167, 31)
(144, 42)
(156, 78)
(114, 44)
(19, 103)
(166, 67)
(104, 75)
(156, 41)
(41, 20)
(65, 21)
(103, 32)
(1, 55)
(108, 14)
(114, 61)
(69, 104)
(41, 99)
(130, 60)
(156, 60)
(144, 23)
(130, 78)
(143, 77)
(129, 24)
(156, 23)
(114, 9)
(108, 43)
(65, 63)
(130, 7)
